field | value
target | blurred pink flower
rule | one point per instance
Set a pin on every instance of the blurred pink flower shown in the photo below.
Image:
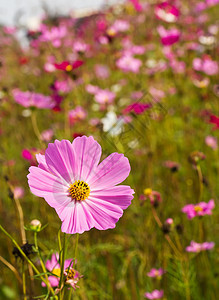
(104, 96)
(168, 36)
(137, 5)
(128, 63)
(67, 66)
(76, 114)
(200, 209)
(156, 294)
(84, 193)
(31, 99)
(63, 86)
(137, 107)
(156, 273)
(92, 89)
(196, 247)
(53, 266)
(18, 192)
(80, 46)
(120, 26)
(211, 141)
(47, 135)
(206, 65)
(214, 120)
(166, 12)
(102, 71)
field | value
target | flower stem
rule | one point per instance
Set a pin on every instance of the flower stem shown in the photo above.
(159, 223)
(62, 256)
(76, 248)
(27, 259)
(35, 127)
(200, 178)
(24, 282)
(40, 257)
(12, 268)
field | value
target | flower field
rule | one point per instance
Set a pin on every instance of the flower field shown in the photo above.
(109, 154)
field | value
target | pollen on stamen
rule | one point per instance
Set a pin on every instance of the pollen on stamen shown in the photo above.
(79, 190)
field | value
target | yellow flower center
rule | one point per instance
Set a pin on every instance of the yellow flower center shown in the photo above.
(198, 208)
(79, 190)
(68, 68)
(147, 191)
(56, 272)
(70, 274)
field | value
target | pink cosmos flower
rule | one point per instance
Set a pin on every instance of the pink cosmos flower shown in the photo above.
(166, 12)
(92, 89)
(47, 135)
(67, 66)
(196, 247)
(30, 99)
(53, 266)
(128, 63)
(211, 141)
(137, 5)
(80, 46)
(137, 107)
(214, 120)
(206, 65)
(200, 209)
(18, 192)
(156, 273)
(64, 86)
(102, 71)
(104, 96)
(84, 193)
(76, 114)
(156, 294)
(120, 26)
(168, 36)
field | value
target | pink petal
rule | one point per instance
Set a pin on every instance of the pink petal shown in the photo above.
(60, 158)
(76, 218)
(88, 156)
(112, 170)
(48, 186)
(104, 214)
(120, 195)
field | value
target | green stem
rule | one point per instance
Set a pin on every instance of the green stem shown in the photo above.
(24, 282)
(40, 257)
(62, 265)
(200, 178)
(35, 127)
(27, 259)
(70, 294)
(76, 248)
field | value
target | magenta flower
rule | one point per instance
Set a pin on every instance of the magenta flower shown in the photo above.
(196, 247)
(137, 108)
(156, 294)
(67, 66)
(170, 36)
(128, 63)
(30, 99)
(84, 193)
(199, 209)
(166, 12)
(156, 273)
